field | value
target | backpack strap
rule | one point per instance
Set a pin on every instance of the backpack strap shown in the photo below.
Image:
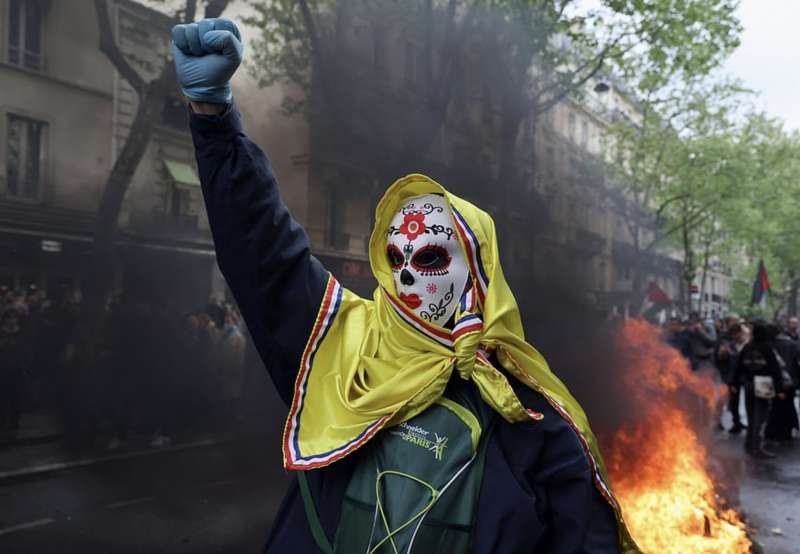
(311, 514)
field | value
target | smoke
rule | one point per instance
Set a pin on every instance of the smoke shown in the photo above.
(380, 87)
(581, 345)
(616, 369)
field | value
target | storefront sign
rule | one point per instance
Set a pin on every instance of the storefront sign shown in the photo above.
(51, 246)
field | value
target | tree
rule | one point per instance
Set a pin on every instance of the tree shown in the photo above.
(340, 56)
(673, 168)
(483, 70)
(545, 51)
(767, 226)
(151, 97)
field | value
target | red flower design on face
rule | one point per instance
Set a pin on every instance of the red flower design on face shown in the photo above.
(413, 225)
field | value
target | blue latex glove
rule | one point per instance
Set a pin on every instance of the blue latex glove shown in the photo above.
(206, 55)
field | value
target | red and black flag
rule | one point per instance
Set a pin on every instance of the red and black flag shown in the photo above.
(760, 286)
(655, 302)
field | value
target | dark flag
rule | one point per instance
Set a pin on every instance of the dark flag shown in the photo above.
(760, 286)
(654, 303)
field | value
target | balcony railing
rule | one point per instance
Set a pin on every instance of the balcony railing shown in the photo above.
(17, 188)
(25, 58)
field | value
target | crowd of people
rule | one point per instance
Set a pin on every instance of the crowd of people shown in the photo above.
(157, 372)
(759, 362)
(154, 372)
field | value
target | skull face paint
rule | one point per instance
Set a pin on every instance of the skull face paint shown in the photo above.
(430, 271)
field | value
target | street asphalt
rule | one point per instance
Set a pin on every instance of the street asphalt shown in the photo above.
(209, 497)
(770, 497)
(767, 492)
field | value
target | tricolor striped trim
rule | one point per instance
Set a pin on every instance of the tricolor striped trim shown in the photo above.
(468, 300)
(599, 482)
(483, 355)
(331, 302)
(327, 458)
(467, 324)
(473, 249)
(440, 335)
(598, 479)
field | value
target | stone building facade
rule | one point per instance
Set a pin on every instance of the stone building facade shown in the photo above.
(64, 116)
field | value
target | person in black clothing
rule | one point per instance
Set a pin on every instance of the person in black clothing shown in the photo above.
(700, 343)
(783, 415)
(675, 336)
(537, 493)
(727, 358)
(757, 360)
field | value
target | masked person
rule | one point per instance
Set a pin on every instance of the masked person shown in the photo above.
(420, 420)
(759, 372)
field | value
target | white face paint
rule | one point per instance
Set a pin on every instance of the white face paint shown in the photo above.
(430, 271)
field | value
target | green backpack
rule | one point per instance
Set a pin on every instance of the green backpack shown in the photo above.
(415, 489)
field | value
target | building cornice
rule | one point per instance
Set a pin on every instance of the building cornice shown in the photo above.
(44, 76)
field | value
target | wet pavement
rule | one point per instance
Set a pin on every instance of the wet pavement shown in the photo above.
(770, 496)
(768, 492)
(203, 497)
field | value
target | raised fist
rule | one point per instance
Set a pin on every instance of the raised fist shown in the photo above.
(206, 55)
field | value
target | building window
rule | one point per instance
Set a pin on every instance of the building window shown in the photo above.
(584, 134)
(173, 114)
(183, 183)
(335, 236)
(24, 157)
(180, 202)
(24, 33)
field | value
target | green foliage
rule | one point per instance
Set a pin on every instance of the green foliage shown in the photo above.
(650, 43)
(717, 182)
(695, 171)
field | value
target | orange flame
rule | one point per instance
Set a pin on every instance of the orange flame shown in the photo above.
(657, 465)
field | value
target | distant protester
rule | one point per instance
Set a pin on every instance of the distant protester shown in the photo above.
(759, 373)
(783, 414)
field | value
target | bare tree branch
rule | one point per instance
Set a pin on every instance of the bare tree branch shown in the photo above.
(214, 8)
(109, 47)
(664, 205)
(188, 13)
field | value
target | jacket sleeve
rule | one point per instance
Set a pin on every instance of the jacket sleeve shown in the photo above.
(263, 253)
(580, 519)
(551, 462)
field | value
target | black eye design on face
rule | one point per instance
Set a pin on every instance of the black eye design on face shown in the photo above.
(396, 258)
(431, 260)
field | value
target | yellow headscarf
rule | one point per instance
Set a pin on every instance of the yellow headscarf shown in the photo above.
(372, 364)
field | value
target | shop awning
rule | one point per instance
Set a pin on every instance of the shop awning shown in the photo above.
(182, 174)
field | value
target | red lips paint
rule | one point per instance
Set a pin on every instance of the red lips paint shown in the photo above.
(411, 300)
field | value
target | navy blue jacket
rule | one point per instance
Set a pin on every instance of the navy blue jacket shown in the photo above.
(537, 494)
